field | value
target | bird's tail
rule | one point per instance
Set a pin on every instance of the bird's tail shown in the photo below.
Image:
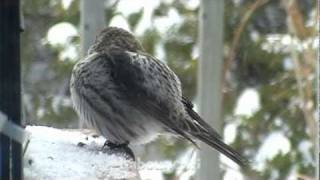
(223, 148)
(201, 130)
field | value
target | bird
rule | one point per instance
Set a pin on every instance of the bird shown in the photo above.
(130, 97)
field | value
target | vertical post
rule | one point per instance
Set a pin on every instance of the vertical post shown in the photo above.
(92, 22)
(11, 162)
(210, 73)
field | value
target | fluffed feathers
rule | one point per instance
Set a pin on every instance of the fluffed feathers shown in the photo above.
(128, 95)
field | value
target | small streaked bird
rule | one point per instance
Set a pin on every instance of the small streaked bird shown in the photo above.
(128, 96)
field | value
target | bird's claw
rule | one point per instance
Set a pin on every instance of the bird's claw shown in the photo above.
(121, 149)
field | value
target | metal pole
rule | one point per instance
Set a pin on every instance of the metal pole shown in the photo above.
(11, 162)
(210, 71)
(92, 22)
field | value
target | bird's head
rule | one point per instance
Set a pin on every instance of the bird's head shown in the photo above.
(112, 37)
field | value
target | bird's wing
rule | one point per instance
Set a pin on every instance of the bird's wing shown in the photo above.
(200, 129)
(151, 87)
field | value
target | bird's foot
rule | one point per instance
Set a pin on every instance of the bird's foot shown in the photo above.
(118, 149)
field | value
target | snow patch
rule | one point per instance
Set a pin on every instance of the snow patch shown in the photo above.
(248, 102)
(274, 144)
(55, 154)
(230, 132)
(60, 33)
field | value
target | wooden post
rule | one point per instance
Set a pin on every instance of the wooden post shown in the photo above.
(11, 162)
(210, 73)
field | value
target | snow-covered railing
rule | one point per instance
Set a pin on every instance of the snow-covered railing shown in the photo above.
(76, 154)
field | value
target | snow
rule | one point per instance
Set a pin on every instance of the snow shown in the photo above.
(55, 154)
(305, 147)
(76, 154)
(126, 7)
(168, 21)
(274, 144)
(285, 43)
(119, 21)
(186, 164)
(248, 103)
(233, 175)
(60, 33)
(66, 4)
(230, 132)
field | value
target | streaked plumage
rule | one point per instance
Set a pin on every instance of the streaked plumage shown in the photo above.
(129, 96)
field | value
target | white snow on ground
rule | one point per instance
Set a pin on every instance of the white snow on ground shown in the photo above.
(54, 154)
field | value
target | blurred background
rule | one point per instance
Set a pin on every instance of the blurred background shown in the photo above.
(268, 75)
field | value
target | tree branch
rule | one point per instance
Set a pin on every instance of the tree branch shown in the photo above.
(304, 64)
(238, 31)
